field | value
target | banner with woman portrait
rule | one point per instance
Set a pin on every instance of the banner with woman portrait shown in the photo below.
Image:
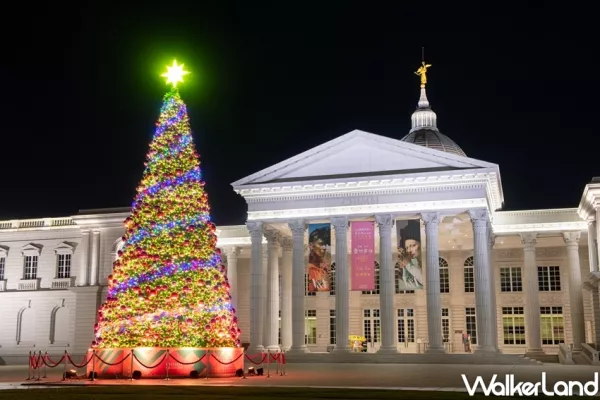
(319, 257)
(409, 264)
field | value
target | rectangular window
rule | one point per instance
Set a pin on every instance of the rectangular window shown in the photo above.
(444, 280)
(552, 324)
(513, 323)
(331, 326)
(469, 280)
(511, 280)
(64, 266)
(2, 267)
(310, 327)
(549, 278)
(31, 265)
(406, 325)
(332, 280)
(471, 323)
(445, 324)
(306, 292)
(372, 325)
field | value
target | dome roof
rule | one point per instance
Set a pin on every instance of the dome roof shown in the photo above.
(433, 139)
(424, 130)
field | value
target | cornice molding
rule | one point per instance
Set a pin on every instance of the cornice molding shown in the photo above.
(456, 206)
(270, 192)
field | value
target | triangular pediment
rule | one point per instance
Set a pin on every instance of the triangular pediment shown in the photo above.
(65, 247)
(361, 154)
(32, 248)
(4, 251)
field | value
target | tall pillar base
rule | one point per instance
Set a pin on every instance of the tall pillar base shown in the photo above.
(298, 350)
(273, 347)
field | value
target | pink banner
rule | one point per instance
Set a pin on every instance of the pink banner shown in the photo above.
(363, 255)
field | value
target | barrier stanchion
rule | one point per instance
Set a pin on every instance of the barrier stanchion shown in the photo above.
(39, 366)
(30, 362)
(65, 372)
(93, 365)
(131, 365)
(45, 358)
(207, 362)
(244, 364)
(268, 363)
(283, 364)
(166, 357)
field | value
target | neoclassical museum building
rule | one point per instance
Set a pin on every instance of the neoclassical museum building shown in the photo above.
(510, 282)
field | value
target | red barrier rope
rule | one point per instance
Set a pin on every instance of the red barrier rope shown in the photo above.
(257, 363)
(224, 363)
(186, 363)
(145, 366)
(275, 357)
(38, 362)
(49, 359)
(52, 362)
(82, 365)
(111, 364)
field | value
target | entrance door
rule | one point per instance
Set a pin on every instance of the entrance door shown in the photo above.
(406, 330)
(372, 329)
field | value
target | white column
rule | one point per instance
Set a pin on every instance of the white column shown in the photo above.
(85, 259)
(532, 299)
(232, 254)
(286, 294)
(95, 258)
(342, 285)
(593, 256)
(387, 288)
(593, 251)
(256, 277)
(432, 265)
(575, 289)
(483, 283)
(494, 309)
(298, 229)
(271, 341)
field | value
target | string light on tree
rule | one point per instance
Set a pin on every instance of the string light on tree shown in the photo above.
(169, 288)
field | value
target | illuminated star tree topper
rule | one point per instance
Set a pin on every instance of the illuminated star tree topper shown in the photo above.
(175, 73)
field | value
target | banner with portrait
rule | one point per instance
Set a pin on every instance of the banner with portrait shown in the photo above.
(319, 257)
(363, 255)
(409, 264)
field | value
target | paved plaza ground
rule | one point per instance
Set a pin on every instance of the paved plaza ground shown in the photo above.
(388, 376)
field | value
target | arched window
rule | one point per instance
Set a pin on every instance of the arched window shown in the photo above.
(376, 291)
(469, 275)
(332, 280)
(444, 276)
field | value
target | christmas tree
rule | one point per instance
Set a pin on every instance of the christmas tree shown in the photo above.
(168, 287)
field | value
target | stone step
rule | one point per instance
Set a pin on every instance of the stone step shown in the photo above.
(544, 358)
(372, 358)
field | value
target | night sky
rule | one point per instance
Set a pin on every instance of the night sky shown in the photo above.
(82, 91)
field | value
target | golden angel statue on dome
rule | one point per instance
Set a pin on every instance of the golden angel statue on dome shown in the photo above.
(422, 71)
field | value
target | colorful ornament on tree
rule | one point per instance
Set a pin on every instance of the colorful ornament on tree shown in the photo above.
(168, 287)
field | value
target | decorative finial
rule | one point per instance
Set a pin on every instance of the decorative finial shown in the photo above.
(175, 73)
(422, 71)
